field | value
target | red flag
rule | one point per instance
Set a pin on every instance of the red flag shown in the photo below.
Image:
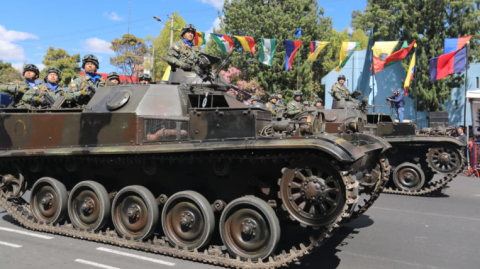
(399, 54)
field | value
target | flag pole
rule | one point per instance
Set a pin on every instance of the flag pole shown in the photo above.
(353, 71)
(465, 102)
(415, 81)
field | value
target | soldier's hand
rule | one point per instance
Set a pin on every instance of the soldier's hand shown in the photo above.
(186, 67)
(38, 98)
(83, 92)
(23, 90)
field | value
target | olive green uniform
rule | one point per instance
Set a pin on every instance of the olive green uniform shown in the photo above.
(180, 53)
(272, 107)
(17, 89)
(294, 107)
(32, 98)
(340, 91)
(78, 89)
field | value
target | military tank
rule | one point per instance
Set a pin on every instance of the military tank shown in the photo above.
(416, 155)
(183, 169)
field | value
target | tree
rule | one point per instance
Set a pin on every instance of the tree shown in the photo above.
(67, 63)
(359, 36)
(130, 51)
(277, 19)
(162, 43)
(8, 73)
(428, 22)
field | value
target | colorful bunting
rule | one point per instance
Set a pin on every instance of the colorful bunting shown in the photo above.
(267, 51)
(199, 38)
(315, 48)
(247, 42)
(291, 48)
(298, 32)
(224, 42)
(381, 50)
(347, 50)
(399, 54)
(410, 74)
(454, 44)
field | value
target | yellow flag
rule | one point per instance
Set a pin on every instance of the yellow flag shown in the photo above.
(315, 48)
(346, 51)
(247, 42)
(166, 75)
(410, 73)
(381, 50)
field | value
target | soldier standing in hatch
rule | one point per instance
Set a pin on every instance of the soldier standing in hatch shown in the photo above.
(318, 103)
(183, 53)
(18, 88)
(84, 87)
(144, 79)
(279, 94)
(35, 97)
(113, 79)
(295, 106)
(272, 105)
(341, 93)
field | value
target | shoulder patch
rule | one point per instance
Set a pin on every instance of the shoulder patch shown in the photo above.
(175, 47)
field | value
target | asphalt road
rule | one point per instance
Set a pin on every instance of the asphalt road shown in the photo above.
(397, 232)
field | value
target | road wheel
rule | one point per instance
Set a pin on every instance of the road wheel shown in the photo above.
(89, 206)
(49, 200)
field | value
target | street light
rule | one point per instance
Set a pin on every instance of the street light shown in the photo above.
(153, 58)
(157, 18)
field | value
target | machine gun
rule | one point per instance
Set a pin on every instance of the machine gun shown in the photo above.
(46, 99)
(91, 91)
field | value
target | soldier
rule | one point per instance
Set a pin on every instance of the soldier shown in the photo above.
(113, 79)
(144, 79)
(306, 103)
(183, 53)
(341, 93)
(38, 97)
(18, 88)
(279, 94)
(295, 106)
(84, 87)
(318, 103)
(254, 100)
(272, 105)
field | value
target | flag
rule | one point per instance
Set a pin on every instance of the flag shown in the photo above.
(267, 51)
(410, 73)
(381, 50)
(298, 32)
(347, 50)
(291, 48)
(315, 48)
(224, 42)
(399, 54)
(199, 38)
(247, 42)
(453, 62)
(454, 44)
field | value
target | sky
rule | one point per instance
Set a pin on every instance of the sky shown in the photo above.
(29, 28)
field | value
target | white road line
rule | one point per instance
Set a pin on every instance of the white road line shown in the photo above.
(95, 264)
(424, 213)
(25, 233)
(135, 256)
(406, 264)
(10, 245)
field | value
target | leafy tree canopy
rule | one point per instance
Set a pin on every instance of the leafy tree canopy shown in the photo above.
(67, 63)
(8, 73)
(130, 51)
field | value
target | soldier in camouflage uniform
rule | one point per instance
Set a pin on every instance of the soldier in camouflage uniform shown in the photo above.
(18, 88)
(306, 103)
(295, 106)
(113, 79)
(144, 79)
(183, 53)
(82, 88)
(37, 97)
(279, 94)
(318, 103)
(341, 93)
(272, 105)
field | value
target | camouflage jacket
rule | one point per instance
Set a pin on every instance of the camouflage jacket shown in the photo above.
(280, 103)
(340, 92)
(272, 107)
(17, 89)
(294, 107)
(180, 53)
(32, 98)
(78, 91)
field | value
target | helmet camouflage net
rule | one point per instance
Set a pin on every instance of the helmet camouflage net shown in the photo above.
(53, 69)
(90, 58)
(273, 95)
(188, 27)
(341, 77)
(113, 75)
(144, 76)
(30, 67)
(318, 100)
(296, 93)
(279, 92)
(306, 103)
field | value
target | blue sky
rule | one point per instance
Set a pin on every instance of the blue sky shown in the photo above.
(28, 28)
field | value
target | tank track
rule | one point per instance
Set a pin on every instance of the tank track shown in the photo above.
(379, 187)
(430, 186)
(19, 210)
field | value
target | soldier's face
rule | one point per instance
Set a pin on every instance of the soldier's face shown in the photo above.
(298, 97)
(273, 100)
(341, 81)
(90, 67)
(114, 81)
(307, 105)
(318, 104)
(254, 102)
(52, 77)
(30, 75)
(280, 96)
(189, 35)
(144, 82)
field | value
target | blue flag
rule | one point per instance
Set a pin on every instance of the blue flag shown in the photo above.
(298, 32)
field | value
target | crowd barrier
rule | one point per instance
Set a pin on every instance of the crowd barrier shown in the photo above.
(474, 159)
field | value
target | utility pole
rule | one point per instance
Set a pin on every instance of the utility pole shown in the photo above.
(153, 56)
(171, 30)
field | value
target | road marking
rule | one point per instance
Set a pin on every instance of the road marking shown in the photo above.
(25, 233)
(10, 245)
(95, 264)
(409, 264)
(424, 213)
(135, 256)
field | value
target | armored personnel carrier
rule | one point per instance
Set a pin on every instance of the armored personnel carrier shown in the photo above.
(415, 157)
(183, 169)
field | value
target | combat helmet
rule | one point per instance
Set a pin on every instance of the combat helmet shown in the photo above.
(279, 92)
(255, 98)
(53, 69)
(188, 27)
(295, 93)
(113, 75)
(341, 77)
(90, 58)
(273, 95)
(306, 103)
(31, 67)
(318, 100)
(144, 76)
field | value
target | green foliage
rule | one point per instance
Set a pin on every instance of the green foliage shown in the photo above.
(67, 63)
(130, 51)
(429, 22)
(162, 43)
(359, 36)
(278, 19)
(8, 73)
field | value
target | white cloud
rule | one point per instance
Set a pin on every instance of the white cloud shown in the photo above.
(97, 45)
(215, 24)
(8, 49)
(19, 66)
(112, 16)
(218, 4)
